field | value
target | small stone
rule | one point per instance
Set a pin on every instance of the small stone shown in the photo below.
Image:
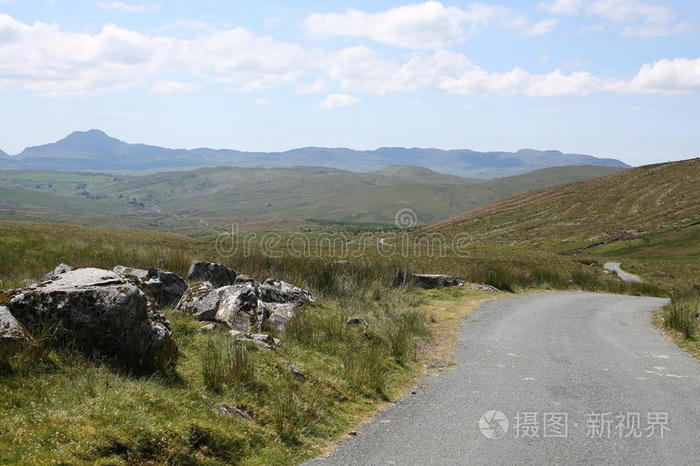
(430, 281)
(296, 372)
(357, 321)
(353, 433)
(485, 288)
(208, 328)
(225, 409)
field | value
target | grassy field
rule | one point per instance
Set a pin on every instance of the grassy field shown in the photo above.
(60, 408)
(187, 201)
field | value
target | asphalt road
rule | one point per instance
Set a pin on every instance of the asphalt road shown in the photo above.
(624, 276)
(571, 358)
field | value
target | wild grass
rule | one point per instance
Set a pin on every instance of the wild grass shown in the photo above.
(59, 407)
(681, 316)
(226, 364)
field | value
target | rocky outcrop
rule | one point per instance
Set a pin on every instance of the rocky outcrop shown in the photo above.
(246, 305)
(13, 337)
(165, 287)
(100, 313)
(430, 281)
(217, 274)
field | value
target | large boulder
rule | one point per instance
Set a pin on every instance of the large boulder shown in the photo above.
(277, 291)
(101, 314)
(239, 307)
(13, 337)
(201, 301)
(166, 288)
(430, 281)
(60, 269)
(217, 274)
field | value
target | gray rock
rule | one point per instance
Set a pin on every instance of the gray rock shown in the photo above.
(238, 307)
(235, 333)
(486, 288)
(296, 372)
(201, 301)
(280, 314)
(209, 327)
(277, 291)
(265, 338)
(217, 274)
(430, 281)
(357, 322)
(165, 287)
(101, 314)
(225, 409)
(258, 343)
(60, 269)
(13, 337)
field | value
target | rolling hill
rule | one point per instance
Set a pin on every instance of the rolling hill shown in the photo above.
(641, 202)
(94, 150)
(185, 200)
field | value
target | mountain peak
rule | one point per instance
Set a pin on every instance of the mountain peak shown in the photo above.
(89, 136)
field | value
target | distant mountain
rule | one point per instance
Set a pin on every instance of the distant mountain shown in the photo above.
(95, 150)
(3, 154)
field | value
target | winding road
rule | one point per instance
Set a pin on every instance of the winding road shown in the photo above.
(624, 276)
(575, 378)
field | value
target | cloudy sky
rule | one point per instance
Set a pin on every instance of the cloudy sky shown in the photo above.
(614, 78)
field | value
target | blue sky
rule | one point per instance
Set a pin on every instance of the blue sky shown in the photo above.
(616, 78)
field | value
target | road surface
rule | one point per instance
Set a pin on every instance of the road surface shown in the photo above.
(624, 276)
(576, 357)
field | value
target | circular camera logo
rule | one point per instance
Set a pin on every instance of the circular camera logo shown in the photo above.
(493, 425)
(405, 219)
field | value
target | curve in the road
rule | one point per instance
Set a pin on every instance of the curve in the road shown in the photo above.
(624, 276)
(594, 360)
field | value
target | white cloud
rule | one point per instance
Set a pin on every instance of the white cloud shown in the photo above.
(49, 61)
(340, 101)
(45, 59)
(676, 76)
(126, 7)
(173, 87)
(542, 27)
(429, 25)
(315, 87)
(261, 101)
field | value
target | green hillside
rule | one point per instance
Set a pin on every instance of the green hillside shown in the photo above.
(646, 217)
(184, 201)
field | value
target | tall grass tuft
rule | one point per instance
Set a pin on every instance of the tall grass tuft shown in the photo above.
(226, 364)
(680, 315)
